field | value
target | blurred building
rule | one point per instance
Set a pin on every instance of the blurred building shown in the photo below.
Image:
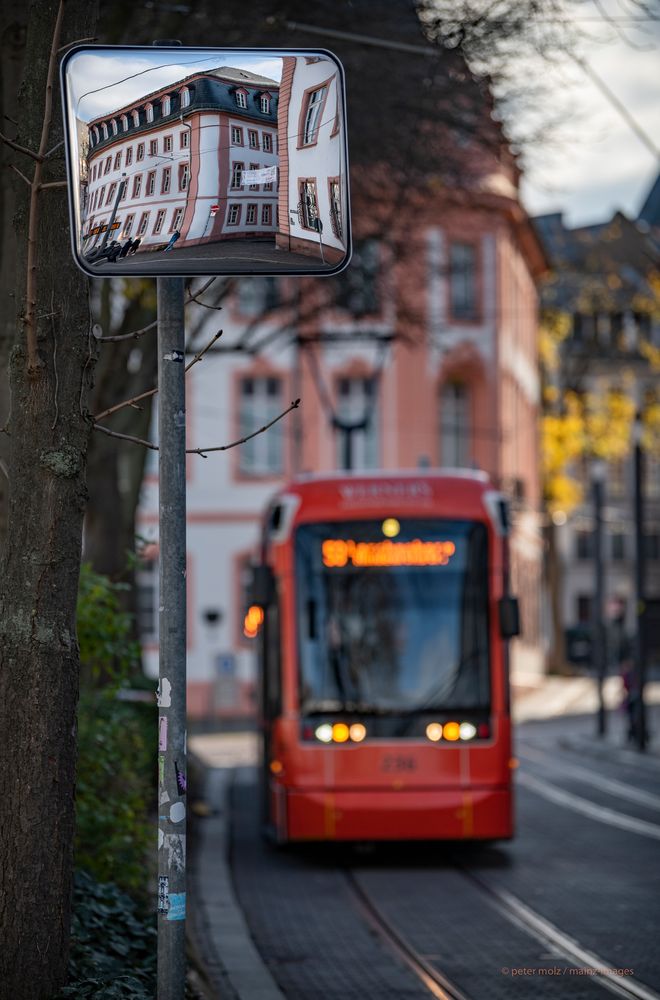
(423, 353)
(173, 160)
(603, 280)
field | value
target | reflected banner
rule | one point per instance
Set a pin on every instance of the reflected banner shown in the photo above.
(206, 161)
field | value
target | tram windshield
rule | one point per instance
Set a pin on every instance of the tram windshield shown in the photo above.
(393, 624)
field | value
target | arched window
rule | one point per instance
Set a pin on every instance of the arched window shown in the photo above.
(241, 98)
(124, 123)
(104, 128)
(113, 124)
(136, 118)
(185, 97)
(165, 106)
(150, 112)
(455, 429)
(265, 103)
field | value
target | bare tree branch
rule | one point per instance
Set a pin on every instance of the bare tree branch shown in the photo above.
(225, 447)
(19, 148)
(54, 149)
(136, 334)
(198, 451)
(152, 392)
(53, 184)
(21, 175)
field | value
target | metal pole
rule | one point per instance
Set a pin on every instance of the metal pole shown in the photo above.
(114, 210)
(598, 639)
(639, 676)
(172, 642)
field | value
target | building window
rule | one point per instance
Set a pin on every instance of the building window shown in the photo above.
(236, 135)
(184, 176)
(160, 219)
(584, 605)
(253, 139)
(165, 106)
(129, 156)
(124, 123)
(185, 98)
(177, 219)
(265, 104)
(137, 185)
(260, 402)
(455, 425)
(94, 172)
(124, 189)
(166, 181)
(146, 580)
(463, 280)
(184, 139)
(112, 190)
(167, 143)
(128, 225)
(144, 222)
(108, 165)
(308, 207)
(104, 129)
(101, 193)
(241, 99)
(251, 215)
(140, 151)
(266, 215)
(358, 289)
(117, 161)
(234, 215)
(136, 118)
(335, 207)
(357, 405)
(151, 182)
(153, 147)
(584, 545)
(113, 125)
(236, 175)
(315, 103)
(258, 295)
(267, 141)
(149, 112)
(254, 187)
(618, 546)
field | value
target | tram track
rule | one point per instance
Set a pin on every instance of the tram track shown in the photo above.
(562, 945)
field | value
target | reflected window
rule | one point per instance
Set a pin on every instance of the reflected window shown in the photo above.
(313, 109)
(136, 118)
(251, 216)
(236, 135)
(165, 106)
(267, 142)
(144, 222)
(265, 104)
(153, 147)
(233, 215)
(455, 425)
(357, 410)
(241, 98)
(260, 401)
(463, 280)
(151, 182)
(335, 207)
(308, 206)
(166, 181)
(177, 219)
(158, 224)
(140, 151)
(129, 156)
(167, 143)
(185, 97)
(236, 175)
(137, 185)
(117, 163)
(149, 112)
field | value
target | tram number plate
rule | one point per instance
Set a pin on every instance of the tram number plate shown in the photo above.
(392, 763)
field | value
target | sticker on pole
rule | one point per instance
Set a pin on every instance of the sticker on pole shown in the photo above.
(148, 132)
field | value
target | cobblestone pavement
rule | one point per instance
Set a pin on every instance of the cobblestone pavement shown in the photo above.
(577, 890)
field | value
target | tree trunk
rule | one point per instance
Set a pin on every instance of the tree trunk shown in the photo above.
(48, 437)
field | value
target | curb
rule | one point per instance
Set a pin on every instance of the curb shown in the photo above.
(232, 966)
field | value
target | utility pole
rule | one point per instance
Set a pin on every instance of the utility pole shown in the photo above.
(172, 642)
(598, 472)
(639, 677)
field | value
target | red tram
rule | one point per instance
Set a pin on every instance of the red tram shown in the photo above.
(384, 688)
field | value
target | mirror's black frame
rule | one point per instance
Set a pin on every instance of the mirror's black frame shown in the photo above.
(509, 616)
(199, 267)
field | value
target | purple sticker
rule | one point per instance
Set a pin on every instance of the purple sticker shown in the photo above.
(162, 732)
(180, 779)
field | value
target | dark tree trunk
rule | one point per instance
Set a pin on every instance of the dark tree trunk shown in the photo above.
(48, 438)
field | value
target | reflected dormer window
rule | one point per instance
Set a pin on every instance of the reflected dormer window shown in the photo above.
(241, 98)
(150, 112)
(166, 105)
(124, 123)
(104, 128)
(185, 97)
(113, 124)
(136, 118)
(265, 103)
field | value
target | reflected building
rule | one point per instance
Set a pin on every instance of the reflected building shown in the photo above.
(175, 158)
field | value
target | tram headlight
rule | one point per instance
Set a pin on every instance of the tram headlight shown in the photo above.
(434, 731)
(467, 731)
(357, 732)
(451, 731)
(340, 732)
(324, 732)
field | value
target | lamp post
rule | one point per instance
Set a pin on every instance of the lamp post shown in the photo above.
(639, 676)
(598, 474)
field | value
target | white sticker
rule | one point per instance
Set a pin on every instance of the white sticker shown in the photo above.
(164, 693)
(177, 812)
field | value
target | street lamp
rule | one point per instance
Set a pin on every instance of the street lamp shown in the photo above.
(598, 474)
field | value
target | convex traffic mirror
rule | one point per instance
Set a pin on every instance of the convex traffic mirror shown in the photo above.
(206, 161)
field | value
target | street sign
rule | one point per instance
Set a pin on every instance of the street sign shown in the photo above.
(102, 229)
(230, 90)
